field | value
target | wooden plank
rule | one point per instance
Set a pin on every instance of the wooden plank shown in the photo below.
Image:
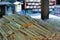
(19, 27)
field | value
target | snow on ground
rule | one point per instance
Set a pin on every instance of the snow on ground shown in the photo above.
(38, 16)
(53, 20)
(54, 17)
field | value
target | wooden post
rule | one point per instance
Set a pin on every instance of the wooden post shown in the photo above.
(44, 9)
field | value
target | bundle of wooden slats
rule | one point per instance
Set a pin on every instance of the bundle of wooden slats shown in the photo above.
(20, 27)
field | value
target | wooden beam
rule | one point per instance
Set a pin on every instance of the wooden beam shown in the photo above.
(44, 9)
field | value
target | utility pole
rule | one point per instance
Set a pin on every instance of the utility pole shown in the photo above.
(44, 9)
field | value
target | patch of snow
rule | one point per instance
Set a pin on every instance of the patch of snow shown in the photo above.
(53, 16)
(38, 16)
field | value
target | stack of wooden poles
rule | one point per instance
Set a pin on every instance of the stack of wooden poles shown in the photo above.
(20, 27)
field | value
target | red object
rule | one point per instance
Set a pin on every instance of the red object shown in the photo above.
(54, 2)
(24, 4)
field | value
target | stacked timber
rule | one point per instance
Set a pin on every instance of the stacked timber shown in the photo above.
(20, 27)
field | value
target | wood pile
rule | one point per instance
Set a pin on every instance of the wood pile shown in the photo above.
(20, 27)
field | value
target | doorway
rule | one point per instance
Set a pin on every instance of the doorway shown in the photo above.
(2, 11)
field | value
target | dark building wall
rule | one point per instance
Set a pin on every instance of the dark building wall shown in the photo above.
(2, 11)
(58, 2)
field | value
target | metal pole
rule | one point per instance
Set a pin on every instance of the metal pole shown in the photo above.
(44, 9)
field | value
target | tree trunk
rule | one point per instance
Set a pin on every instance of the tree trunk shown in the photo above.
(44, 9)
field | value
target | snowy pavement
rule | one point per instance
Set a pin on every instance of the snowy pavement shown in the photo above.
(38, 16)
